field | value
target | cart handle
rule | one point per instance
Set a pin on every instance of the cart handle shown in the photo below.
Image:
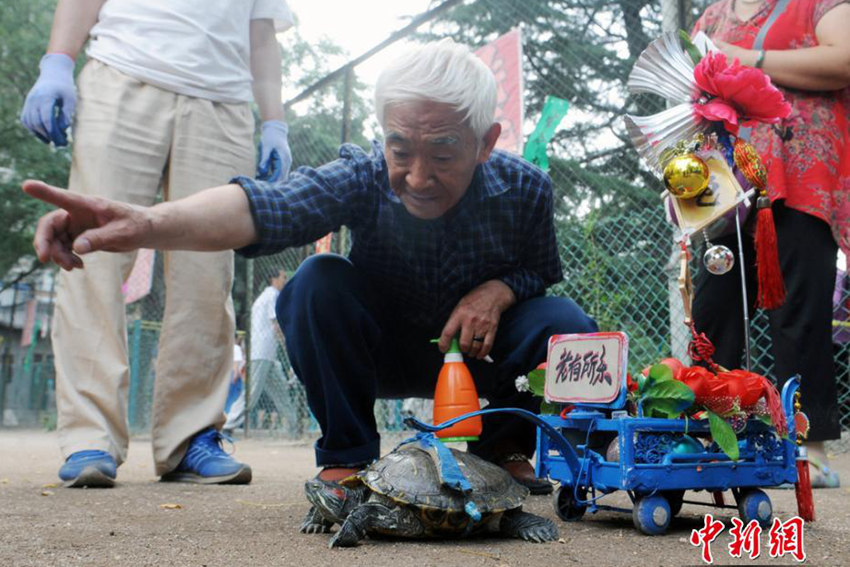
(788, 390)
(559, 441)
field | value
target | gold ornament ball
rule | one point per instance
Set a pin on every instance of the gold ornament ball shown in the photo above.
(686, 176)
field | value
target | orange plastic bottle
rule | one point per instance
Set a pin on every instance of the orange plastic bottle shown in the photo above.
(456, 395)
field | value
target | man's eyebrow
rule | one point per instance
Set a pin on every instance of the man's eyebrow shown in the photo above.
(445, 141)
(396, 137)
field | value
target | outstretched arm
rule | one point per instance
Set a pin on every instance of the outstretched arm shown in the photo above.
(214, 219)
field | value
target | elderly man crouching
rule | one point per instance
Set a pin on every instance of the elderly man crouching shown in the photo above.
(450, 237)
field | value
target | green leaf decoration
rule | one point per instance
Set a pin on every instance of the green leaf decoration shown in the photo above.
(666, 398)
(657, 373)
(689, 46)
(723, 435)
(537, 381)
(548, 408)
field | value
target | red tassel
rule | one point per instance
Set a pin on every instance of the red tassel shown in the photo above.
(771, 293)
(803, 488)
(774, 406)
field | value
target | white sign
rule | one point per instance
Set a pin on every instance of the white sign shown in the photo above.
(586, 368)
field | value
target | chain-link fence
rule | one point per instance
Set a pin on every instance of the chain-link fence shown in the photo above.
(618, 252)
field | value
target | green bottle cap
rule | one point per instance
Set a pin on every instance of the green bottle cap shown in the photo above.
(454, 347)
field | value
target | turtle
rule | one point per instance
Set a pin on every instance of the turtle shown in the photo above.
(403, 495)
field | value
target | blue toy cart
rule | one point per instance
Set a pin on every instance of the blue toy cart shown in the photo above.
(594, 447)
(658, 461)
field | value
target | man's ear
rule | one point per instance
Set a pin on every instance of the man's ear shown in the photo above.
(488, 142)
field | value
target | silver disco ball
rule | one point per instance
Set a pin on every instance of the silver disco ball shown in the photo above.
(718, 260)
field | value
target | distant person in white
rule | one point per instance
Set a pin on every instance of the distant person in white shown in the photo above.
(266, 371)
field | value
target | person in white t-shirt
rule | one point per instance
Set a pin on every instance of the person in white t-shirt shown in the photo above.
(268, 378)
(164, 101)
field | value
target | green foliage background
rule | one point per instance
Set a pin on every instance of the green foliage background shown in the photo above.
(24, 28)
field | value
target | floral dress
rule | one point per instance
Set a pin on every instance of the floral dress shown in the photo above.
(808, 155)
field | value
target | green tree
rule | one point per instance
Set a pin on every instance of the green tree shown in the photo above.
(316, 123)
(24, 29)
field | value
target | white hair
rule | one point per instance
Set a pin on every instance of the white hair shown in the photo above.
(441, 71)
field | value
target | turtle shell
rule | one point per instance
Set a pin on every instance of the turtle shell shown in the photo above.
(409, 475)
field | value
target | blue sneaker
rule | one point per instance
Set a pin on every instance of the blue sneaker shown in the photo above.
(206, 462)
(92, 469)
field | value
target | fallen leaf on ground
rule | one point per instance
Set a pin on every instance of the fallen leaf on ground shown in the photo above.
(47, 493)
(171, 506)
(49, 485)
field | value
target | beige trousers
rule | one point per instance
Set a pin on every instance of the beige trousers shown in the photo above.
(130, 140)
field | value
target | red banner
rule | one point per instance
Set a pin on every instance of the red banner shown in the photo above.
(504, 57)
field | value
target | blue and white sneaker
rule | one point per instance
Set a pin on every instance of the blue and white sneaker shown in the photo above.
(89, 469)
(205, 462)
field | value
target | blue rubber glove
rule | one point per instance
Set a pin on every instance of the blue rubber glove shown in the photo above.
(275, 157)
(50, 104)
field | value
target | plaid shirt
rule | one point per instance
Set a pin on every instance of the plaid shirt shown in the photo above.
(502, 228)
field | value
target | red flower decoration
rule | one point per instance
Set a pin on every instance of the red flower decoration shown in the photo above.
(726, 391)
(738, 93)
(746, 387)
(696, 378)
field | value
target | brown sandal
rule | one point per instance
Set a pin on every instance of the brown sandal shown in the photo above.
(519, 467)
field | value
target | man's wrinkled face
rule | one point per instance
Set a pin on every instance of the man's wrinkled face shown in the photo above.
(431, 155)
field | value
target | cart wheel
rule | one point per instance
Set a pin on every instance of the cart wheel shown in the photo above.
(754, 504)
(651, 514)
(674, 498)
(566, 506)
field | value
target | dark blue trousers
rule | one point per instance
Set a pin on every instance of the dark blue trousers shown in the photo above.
(349, 348)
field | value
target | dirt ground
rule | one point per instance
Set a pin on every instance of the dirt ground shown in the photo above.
(145, 522)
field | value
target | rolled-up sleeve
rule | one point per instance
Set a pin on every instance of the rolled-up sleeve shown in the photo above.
(311, 202)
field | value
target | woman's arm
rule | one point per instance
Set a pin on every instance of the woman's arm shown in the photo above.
(824, 67)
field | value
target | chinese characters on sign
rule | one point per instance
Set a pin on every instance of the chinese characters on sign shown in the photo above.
(586, 368)
(590, 367)
(785, 538)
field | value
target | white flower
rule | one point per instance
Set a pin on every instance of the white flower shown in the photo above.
(521, 383)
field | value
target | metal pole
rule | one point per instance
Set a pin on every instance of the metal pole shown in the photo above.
(346, 105)
(743, 292)
(249, 299)
(683, 9)
(6, 370)
(135, 364)
(346, 137)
